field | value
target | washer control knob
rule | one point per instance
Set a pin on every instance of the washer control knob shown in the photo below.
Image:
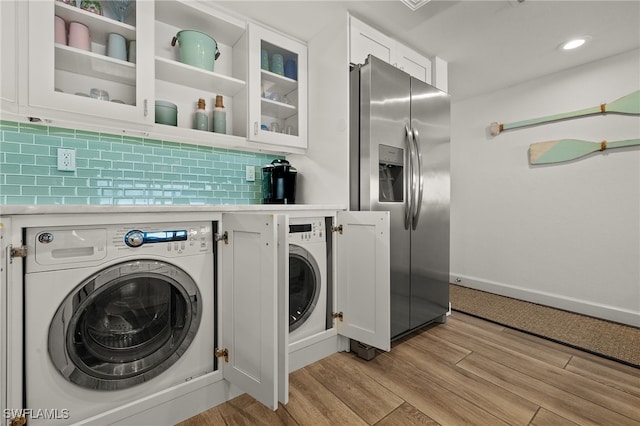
(134, 238)
(45, 237)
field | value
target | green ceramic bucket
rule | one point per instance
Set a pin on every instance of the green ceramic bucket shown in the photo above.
(197, 49)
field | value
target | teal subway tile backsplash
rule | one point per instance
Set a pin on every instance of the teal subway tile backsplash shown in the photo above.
(120, 170)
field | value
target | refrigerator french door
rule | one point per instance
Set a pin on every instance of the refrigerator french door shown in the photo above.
(399, 162)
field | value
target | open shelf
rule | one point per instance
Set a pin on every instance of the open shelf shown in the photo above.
(197, 78)
(276, 83)
(197, 16)
(99, 26)
(95, 65)
(277, 109)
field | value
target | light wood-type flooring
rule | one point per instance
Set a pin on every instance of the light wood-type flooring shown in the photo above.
(465, 372)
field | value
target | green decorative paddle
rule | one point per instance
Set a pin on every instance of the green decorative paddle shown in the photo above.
(627, 105)
(570, 149)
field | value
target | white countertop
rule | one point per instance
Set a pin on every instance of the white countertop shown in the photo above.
(13, 210)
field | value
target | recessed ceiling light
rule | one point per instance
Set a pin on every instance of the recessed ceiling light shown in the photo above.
(574, 43)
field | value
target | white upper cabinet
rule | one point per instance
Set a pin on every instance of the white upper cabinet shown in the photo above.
(9, 63)
(182, 83)
(264, 107)
(365, 40)
(277, 92)
(413, 63)
(65, 69)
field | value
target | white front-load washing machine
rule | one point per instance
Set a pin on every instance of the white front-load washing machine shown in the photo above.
(307, 277)
(114, 314)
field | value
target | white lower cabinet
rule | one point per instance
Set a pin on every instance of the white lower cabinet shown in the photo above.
(363, 277)
(248, 305)
(254, 284)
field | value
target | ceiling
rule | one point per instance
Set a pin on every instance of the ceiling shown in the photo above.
(488, 45)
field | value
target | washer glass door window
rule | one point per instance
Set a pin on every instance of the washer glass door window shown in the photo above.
(125, 324)
(304, 285)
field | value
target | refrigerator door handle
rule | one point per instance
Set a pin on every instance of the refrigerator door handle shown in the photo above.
(408, 199)
(420, 180)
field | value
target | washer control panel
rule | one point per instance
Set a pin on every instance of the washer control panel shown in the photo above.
(136, 238)
(307, 230)
(182, 238)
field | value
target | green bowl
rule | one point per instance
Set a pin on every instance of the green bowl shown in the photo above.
(166, 113)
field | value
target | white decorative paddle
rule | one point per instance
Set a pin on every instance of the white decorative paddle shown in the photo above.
(627, 105)
(570, 149)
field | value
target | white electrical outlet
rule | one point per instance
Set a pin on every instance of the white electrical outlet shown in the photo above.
(67, 159)
(250, 174)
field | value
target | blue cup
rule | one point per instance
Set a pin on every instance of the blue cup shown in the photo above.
(277, 64)
(117, 46)
(291, 69)
(264, 60)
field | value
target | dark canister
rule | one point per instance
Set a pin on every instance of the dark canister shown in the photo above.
(279, 183)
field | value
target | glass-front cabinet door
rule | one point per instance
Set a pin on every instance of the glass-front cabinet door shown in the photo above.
(9, 48)
(277, 89)
(92, 57)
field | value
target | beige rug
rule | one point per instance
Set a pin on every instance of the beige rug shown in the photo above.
(606, 338)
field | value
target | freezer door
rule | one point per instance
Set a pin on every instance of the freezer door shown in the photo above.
(384, 166)
(430, 118)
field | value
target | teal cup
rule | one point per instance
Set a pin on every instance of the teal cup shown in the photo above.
(197, 49)
(277, 64)
(264, 60)
(117, 47)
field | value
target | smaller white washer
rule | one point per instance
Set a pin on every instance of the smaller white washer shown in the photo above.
(307, 277)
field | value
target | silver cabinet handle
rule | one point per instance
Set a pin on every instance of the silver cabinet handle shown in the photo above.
(255, 127)
(408, 191)
(420, 180)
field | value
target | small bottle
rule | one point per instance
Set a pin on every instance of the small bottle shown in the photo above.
(202, 119)
(219, 116)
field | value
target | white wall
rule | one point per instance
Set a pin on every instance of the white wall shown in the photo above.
(323, 173)
(564, 235)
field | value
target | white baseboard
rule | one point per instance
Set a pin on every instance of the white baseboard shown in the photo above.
(313, 349)
(172, 405)
(585, 307)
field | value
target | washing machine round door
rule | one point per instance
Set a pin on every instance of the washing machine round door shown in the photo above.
(304, 285)
(125, 324)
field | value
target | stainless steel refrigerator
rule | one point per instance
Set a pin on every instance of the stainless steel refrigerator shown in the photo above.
(399, 162)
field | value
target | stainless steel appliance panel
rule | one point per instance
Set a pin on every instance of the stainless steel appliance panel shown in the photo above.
(384, 117)
(400, 163)
(430, 118)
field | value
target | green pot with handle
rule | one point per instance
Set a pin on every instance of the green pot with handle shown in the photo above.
(197, 49)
